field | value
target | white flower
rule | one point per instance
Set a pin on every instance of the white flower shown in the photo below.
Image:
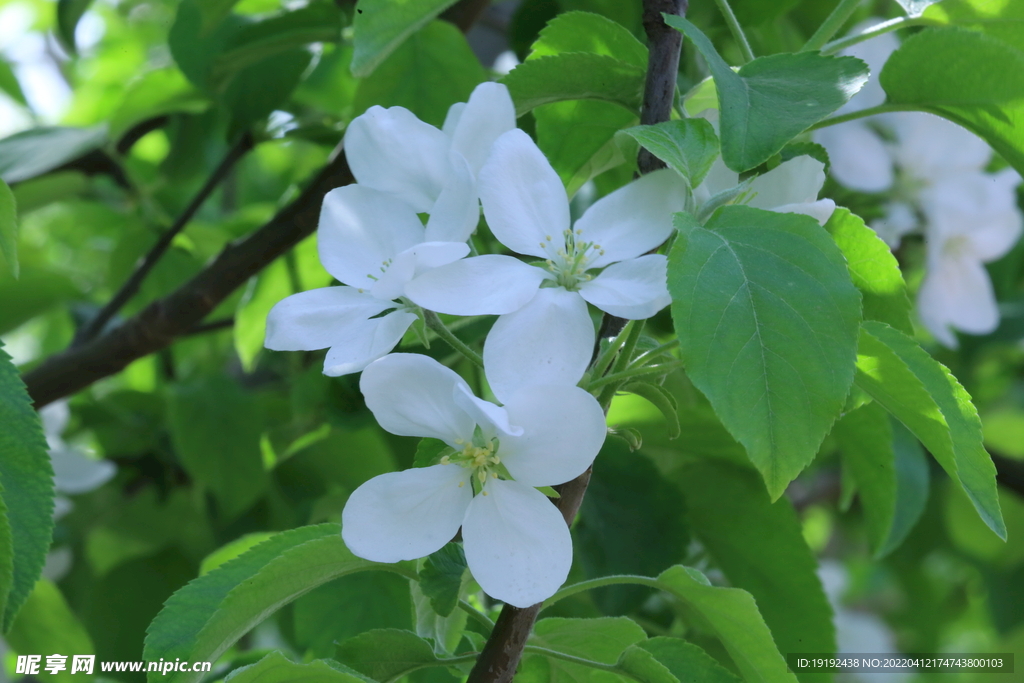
(517, 543)
(432, 170)
(374, 244)
(971, 217)
(545, 333)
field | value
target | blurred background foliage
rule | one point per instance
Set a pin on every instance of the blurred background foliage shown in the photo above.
(114, 114)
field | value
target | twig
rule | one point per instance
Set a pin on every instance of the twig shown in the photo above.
(737, 31)
(212, 326)
(139, 131)
(500, 657)
(131, 286)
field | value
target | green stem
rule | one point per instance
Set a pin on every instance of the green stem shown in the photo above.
(840, 15)
(617, 580)
(864, 113)
(614, 377)
(479, 616)
(555, 654)
(434, 323)
(606, 358)
(736, 29)
(667, 346)
(622, 362)
(876, 30)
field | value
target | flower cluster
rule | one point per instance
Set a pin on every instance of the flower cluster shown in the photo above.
(935, 173)
(398, 241)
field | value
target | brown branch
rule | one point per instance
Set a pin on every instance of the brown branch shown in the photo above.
(212, 326)
(500, 657)
(164, 320)
(139, 131)
(131, 287)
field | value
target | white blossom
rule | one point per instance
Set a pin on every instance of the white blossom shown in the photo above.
(516, 542)
(545, 332)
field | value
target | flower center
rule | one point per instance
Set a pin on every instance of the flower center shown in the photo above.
(570, 263)
(479, 457)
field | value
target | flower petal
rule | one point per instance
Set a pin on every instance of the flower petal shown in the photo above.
(413, 261)
(547, 341)
(931, 147)
(318, 318)
(633, 219)
(875, 52)
(360, 229)
(365, 342)
(492, 419)
(899, 219)
(860, 160)
(406, 515)
(55, 418)
(412, 395)
(635, 289)
(455, 214)
(978, 206)
(487, 115)
(393, 151)
(794, 181)
(523, 198)
(563, 429)
(956, 292)
(820, 210)
(74, 472)
(517, 543)
(481, 285)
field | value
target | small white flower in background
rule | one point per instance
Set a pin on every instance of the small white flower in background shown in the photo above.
(517, 543)
(935, 172)
(374, 244)
(432, 170)
(545, 333)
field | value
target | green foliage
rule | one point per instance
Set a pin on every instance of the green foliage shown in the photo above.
(688, 146)
(597, 640)
(733, 616)
(873, 269)
(40, 150)
(684, 660)
(276, 668)
(767, 323)
(9, 83)
(386, 654)
(216, 430)
(924, 396)
(760, 547)
(998, 20)
(771, 100)
(26, 483)
(888, 471)
(431, 71)
(46, 624)
(441, 578)
(8, 228)
(68, 14)
(575, 76)
(590, 33)
(6, 555)
(381, 26)
(947, 71)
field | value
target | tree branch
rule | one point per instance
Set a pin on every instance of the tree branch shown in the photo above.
(500, 657)
(131, 287)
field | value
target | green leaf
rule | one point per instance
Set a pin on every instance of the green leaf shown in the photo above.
(616, 535)
(661, 399)
(8, 228)
(264, 291)
(46, 624)
(228, 552)
(6, 555)
(948, 71)
(10, 85)
(441, 578)
(215, 11)
(767, 323)
(157, 92)
(924, 396)
(600, 640)
(276, 668)
(640, 665)
(207, 616)
(37, 151)
(873, 269)
(889, 472)
(1002, 20)
(575, 76)
(381, 26)
(578, 138)
(36, 291)
(734, 617)
(253, 43)
(686, 661)
(688, 146)
(760, 547)
(26, 479)
(771, 100)
(432, 70)
(386, 654)
(215, 428)
(428, 451)
(444, 631)
(68, 14)
(591, 33)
